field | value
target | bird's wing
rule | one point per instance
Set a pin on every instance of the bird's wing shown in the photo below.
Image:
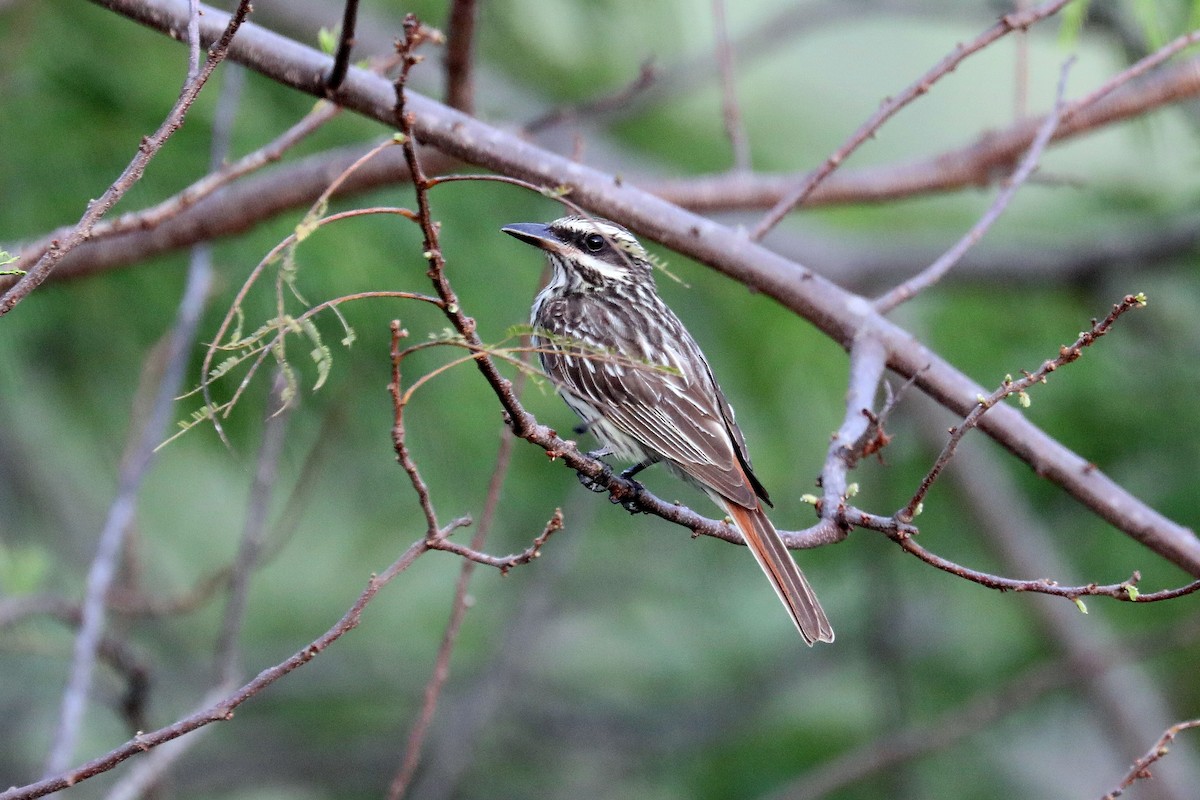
(674, 409)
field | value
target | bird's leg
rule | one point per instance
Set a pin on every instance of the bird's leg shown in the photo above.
(630, 503)
(629, 472)
(592, 484)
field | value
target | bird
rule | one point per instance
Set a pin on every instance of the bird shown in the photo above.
(625, 363)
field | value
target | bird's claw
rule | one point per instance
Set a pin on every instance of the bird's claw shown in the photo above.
(630, 501)
(594, 484)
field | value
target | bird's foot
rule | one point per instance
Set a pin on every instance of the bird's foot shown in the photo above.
(596, 484)
(629, 500)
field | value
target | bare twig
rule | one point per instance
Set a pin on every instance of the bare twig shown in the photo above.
(433, 530)
(441, 672)
(222, 710)
(253, 533)
(459, 606)
(149, 147)
(504, 563)
(149, 220)
(735, 129)
(120, 517)
(938, 269)
(600, 105)
(1066, 355)
(1006, 25)
(1141, 767)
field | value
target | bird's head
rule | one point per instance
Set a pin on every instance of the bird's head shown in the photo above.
(587, 253)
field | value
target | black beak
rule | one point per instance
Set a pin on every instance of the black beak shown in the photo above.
(534, 233)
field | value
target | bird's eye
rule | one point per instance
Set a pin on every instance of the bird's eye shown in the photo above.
(593, 242)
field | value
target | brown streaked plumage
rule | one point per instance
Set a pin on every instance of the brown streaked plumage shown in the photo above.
(626, 365)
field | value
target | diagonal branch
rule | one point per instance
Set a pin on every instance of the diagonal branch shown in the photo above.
(148, 148)
(938, 269)
(892, 105)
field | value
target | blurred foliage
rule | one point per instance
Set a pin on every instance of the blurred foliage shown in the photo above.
(629, 661)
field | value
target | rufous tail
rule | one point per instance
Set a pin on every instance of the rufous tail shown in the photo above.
(789, 582)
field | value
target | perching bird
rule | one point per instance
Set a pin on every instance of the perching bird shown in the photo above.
(626, 365)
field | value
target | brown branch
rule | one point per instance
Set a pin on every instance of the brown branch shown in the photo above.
(1006, 25)
(184, 220)
(1066, 355)
(938, 269)
(980, 163)
(222, 710)
(148, 148)
(460, 39)
(1141, 767)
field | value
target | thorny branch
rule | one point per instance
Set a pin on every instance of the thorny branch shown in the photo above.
(1009, 387)
(1141, 767)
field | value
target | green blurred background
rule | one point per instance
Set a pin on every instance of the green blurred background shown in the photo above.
(629, 661)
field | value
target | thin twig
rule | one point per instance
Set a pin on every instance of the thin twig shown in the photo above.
(735, 129)
(504, 563)
(1021, 69)
(120, 518)
(938, 269)
(266, 473)
(149, 147)
(1066, 355)
(1006, 25)
(148, 220)
(222, 710)
(441, 671)
(459, 605)
(603, 104)
(433, 529)
(1141, 767)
